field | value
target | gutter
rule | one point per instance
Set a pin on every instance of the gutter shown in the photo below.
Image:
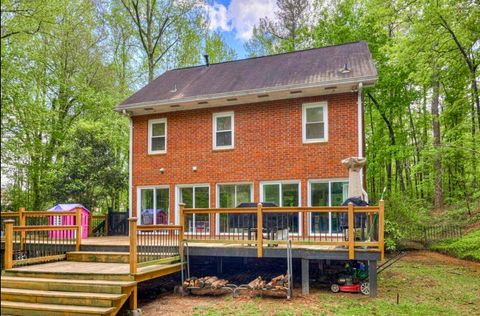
(242, 93)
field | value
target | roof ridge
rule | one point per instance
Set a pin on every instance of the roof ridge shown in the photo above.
(266, 56)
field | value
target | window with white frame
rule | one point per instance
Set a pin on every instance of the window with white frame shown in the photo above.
(196, 196)
(315, 122)
(283, 194)
(326, 193)
(230, 196)
(154, 205)
(157, 136)
(223, 130)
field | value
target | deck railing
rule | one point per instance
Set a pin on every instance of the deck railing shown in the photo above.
(267, 226)
(29, 240)
(98, 225)
(154, 244)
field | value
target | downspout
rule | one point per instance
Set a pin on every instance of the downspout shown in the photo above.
(130, 165)
(360, 135)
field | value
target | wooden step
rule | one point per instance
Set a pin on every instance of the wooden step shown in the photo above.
(67, 275)
(96, 256)
(61, 298)
(67, 285)
(34, 309)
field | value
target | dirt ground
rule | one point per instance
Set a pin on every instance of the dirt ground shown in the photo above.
(452, 286)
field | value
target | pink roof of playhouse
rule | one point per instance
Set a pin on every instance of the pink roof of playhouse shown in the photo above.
(67, 207)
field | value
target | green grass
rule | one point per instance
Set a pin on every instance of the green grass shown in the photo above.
(425, 287)
(466, 247)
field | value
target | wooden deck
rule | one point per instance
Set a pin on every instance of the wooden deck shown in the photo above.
(97, 283)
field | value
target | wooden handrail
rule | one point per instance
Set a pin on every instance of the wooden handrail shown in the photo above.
(44, 228)
(157, 227)
(9, 214)
(250, 210)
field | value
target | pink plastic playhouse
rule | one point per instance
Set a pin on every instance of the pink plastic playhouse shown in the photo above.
(68, 220)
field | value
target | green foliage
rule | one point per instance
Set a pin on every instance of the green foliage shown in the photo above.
(393, 234)
(465, 247)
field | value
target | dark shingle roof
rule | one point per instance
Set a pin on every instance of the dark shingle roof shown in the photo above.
(307, 67)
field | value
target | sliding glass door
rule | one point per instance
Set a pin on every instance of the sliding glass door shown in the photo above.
(197, 196)
(154, 205)
(326, 193)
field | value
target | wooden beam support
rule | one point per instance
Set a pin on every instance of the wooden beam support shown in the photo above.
(133, 246)
(9, 243)
(351, 232)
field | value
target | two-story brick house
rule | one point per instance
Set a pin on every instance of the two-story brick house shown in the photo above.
(265, 129)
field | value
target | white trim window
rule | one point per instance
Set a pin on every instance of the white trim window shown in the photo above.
(157, 136)
(223, 130)
(315, 122)
(195, 196)
(283, 194)
(326, 193)
(153, 205)
(230, 195)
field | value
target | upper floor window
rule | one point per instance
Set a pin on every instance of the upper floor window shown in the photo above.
(223, 130)
(315, 122)
(157, 136)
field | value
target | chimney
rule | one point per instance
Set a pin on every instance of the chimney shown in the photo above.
(206, 60)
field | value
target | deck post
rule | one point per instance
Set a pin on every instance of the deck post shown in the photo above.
(78, 223)
(9, 243)
(21, 222)
(105, 229)
(372, 277)
(132, 221)
(381, 223)
(132, 301)
(259, 230)
(305, 276)
(181, 218)
(351, 232)
(90, 224)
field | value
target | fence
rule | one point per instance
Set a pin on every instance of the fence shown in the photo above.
(154, 244)
(260, 226)
(32, 242)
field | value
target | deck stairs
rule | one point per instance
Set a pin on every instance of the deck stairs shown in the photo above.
(87, 283)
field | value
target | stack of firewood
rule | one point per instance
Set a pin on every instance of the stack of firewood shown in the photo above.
(205, 282)
(279, 282)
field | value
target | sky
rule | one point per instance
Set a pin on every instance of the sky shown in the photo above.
(234, 19)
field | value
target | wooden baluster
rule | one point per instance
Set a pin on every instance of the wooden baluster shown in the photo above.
(381, 222)
(259, 230)
(351, 232)
(78, 224)
(21, 222)
(9, 243)
(133, 244)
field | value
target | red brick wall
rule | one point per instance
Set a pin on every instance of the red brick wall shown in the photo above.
(268, 146)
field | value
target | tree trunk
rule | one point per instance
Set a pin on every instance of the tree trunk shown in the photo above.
(437, 162)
